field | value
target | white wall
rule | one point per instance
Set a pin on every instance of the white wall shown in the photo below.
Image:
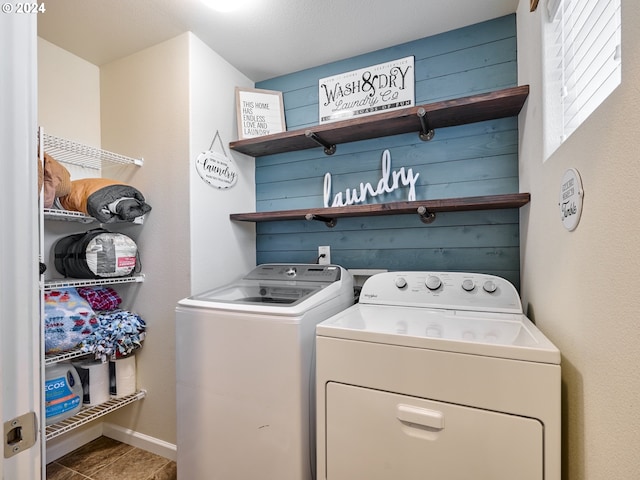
(68, 104)
(145, 113)
(220, 249)
(580, 286)
(68, 95)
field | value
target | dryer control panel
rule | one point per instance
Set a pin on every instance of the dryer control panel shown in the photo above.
(448, 290)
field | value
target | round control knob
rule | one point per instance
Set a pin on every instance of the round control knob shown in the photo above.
(468, 285)
(433, 282)
(490, 286)
(401, 282)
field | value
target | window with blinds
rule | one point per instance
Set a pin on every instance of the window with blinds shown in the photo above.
(582, 63)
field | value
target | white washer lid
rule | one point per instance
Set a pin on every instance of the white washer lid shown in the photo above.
(279, 289)
(502, 335)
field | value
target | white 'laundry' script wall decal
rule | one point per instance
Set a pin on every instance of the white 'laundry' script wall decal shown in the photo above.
(389, 182)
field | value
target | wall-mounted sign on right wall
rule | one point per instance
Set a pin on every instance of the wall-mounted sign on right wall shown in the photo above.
(571, 195)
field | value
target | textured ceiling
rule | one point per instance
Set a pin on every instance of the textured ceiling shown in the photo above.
(271, 38)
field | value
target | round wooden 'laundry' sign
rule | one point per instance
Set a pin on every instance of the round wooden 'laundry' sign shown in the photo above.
(216, 168)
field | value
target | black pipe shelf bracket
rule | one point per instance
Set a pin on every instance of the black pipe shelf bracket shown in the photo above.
(425, 215)
(329, 149)
(329, 222)
(427, 133)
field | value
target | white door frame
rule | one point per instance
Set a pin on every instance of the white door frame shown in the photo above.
(20, 344)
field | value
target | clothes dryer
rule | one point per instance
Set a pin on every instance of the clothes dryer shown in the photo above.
(437, 375)
(245, 372)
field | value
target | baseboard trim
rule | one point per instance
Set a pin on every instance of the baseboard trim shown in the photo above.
(58, 447)
(140, 440)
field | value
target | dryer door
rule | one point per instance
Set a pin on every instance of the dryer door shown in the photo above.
(378, 435)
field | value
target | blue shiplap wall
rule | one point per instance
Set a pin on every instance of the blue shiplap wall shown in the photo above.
(469, 160)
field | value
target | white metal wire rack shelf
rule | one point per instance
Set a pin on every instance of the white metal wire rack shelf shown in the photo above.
(81, 155)
(71, 216)
(73, 153)
(89, 414)
(51, 358)
(83, 282)
(67, 216)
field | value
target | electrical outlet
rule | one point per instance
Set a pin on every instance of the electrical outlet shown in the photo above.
(326, 251)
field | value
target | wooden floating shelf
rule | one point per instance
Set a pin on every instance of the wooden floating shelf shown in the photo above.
(489, 202)
(475, 108)
(422, 119)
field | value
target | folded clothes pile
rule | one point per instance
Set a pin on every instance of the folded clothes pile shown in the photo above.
(53, 179)
(105, 199)
(68, 319)
(89, 318)
(118, 333)
(100, 297)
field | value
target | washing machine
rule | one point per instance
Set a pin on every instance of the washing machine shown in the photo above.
(245, 372)
(436, 375)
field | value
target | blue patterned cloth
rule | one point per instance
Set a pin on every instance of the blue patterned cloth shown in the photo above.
(68, 319)
(118, 333)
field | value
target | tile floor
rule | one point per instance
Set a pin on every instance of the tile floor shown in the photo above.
(108, 459)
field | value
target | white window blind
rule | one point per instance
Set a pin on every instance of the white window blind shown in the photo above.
(583, 39)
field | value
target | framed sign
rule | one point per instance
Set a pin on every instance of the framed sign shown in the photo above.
(259, 112)
(370, 90)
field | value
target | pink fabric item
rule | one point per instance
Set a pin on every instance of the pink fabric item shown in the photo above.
(101, 298)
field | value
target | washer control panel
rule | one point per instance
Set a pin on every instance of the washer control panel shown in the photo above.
(450, 290)
(298, 272)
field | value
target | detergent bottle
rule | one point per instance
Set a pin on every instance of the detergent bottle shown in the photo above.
(63, 392)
